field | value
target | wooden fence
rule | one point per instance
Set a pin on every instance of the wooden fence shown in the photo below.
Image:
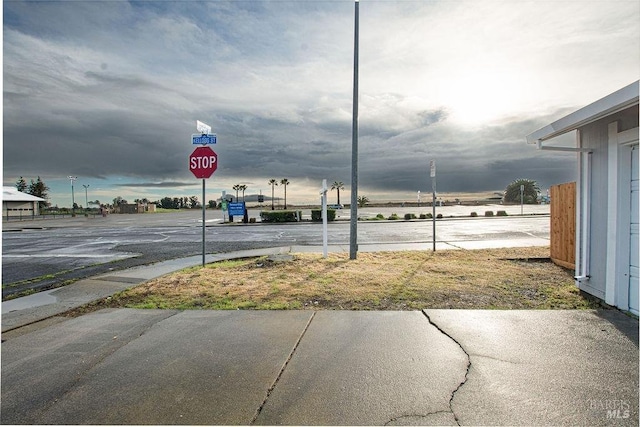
(563, 224)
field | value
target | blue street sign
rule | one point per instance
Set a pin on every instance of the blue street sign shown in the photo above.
(236, 209)
(203, 139)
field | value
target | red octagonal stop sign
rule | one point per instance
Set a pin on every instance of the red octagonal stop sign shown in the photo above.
(203, 162)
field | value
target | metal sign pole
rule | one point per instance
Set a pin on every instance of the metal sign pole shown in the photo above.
(203, 221)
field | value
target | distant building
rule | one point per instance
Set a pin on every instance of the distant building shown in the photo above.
(606, 223)
(133, 208)
(17, 204)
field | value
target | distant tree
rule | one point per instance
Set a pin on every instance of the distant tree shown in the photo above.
(285, 182)
(176, 202)
(185, 202)
(362, 201)
(212, 204)
(193, 202)
(531, 190)
(119, 201)
(166, 203)
(21, 185)
(39, 189)
(273, 182)
(338, 185)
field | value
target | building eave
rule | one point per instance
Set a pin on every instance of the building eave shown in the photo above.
(610, 104)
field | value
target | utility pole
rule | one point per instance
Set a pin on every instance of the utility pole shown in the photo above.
(353, 229)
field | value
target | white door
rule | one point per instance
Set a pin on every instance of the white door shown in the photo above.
(634, 256)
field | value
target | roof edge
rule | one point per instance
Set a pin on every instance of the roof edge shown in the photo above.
(612, 103)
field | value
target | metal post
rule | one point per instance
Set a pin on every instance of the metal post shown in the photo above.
(433, 187)
(353, 229)
(203, 221)
(521, 199)
(324, 219)
(73, 200)
(86, 197)
(432, 174)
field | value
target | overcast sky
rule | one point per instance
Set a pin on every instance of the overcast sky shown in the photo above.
(109, 91)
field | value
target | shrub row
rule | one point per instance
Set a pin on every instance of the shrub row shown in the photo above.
(316, 214)
(280, 216)
(490, 213)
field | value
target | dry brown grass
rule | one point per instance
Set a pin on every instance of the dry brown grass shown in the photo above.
(516, 278)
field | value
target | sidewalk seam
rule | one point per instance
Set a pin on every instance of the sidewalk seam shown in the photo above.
(284, 365)
(466, 374)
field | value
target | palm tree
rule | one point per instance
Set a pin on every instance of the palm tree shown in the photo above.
(338, 185)
(285, 182)
(273, 182)
(237, 187)
(530, 193)
(243, 187)
(362, 200)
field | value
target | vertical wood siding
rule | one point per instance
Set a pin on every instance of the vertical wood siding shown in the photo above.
(563, 224)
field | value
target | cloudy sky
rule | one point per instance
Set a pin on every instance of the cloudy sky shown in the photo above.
(109, 91)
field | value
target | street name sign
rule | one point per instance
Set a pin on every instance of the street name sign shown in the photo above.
(203, 162)
(203, 139)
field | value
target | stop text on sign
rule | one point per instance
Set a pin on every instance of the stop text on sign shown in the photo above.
(202, 162)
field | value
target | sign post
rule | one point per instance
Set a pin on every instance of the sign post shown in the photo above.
(323, 194)
(203, 223)
(432, 166)
(223, 205)
(203, 162)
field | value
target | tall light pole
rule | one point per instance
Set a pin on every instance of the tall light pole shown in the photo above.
(353, 229)
(86, 197)
(73, 200)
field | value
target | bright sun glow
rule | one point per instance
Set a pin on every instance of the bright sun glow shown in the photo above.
(483, 96)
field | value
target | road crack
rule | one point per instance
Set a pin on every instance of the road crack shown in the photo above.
(466, 374)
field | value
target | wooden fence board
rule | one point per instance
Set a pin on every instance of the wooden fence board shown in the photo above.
(563, 224)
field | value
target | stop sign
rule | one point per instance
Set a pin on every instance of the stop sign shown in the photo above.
(203, 162)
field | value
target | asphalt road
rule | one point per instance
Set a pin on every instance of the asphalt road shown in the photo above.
(47, 253)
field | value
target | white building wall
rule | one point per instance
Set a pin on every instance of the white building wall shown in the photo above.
(596, 137)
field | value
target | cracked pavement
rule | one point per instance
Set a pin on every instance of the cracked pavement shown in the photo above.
(435, 367)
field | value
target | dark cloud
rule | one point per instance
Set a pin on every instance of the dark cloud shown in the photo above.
(111, 91)
(165, 184)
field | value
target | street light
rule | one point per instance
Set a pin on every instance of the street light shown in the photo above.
(73, 200)
(86, 198)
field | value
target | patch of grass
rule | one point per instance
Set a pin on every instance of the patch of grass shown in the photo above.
(512, 278)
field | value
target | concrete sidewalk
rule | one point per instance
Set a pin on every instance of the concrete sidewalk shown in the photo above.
(437, 367)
